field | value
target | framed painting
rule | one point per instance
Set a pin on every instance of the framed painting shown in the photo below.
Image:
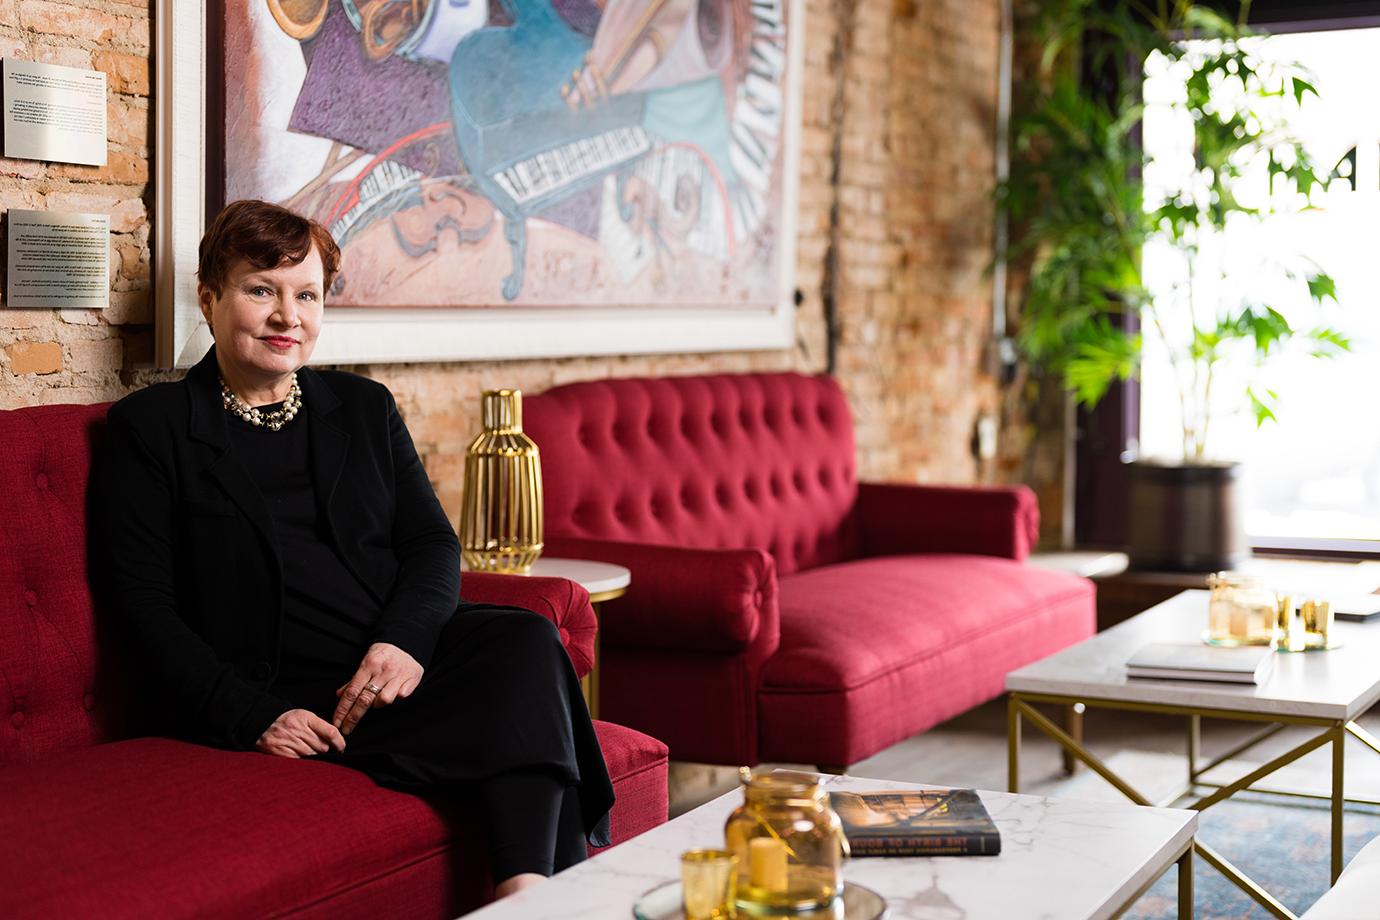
(506, 178)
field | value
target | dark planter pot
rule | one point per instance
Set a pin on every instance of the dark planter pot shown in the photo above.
(1184, 518)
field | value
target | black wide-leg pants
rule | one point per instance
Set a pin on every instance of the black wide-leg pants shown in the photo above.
(498, 722)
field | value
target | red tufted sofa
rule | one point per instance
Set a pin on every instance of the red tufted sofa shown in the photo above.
(97, 821)
(779, 609)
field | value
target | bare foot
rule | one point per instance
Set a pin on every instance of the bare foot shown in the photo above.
(517, 883)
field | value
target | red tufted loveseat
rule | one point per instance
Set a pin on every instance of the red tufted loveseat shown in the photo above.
(97, 821)
(779, 609)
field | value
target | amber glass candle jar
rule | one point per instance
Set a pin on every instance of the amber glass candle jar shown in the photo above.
(789, 842)
(1241, 610)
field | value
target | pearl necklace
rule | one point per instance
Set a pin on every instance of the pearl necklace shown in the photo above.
(271, 420)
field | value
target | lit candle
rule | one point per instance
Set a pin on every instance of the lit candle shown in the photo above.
(767, 864)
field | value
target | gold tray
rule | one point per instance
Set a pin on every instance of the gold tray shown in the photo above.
(857, 903)
(1313, 642)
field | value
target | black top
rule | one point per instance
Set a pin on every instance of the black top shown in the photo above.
(189, 562)
(327, 613)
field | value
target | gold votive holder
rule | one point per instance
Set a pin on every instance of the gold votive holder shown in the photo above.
(1307, 629)
(1284, 621)
(709, 879)
(1317, 622)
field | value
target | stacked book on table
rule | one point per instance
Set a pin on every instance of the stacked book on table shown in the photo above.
(1174, 661)
(937, 822)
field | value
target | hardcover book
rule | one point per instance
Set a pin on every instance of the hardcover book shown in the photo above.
(939, 822)
(1246, 665)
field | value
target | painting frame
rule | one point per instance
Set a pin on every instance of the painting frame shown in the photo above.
(393, 334)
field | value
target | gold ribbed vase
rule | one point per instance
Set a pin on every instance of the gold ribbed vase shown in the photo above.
(501, 522)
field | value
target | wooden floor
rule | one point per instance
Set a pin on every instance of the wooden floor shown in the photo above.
(970, 751)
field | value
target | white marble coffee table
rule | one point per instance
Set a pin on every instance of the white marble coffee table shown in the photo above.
(1326, 691)
(1060, 860)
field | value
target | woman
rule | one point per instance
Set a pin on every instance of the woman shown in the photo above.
(284, 566)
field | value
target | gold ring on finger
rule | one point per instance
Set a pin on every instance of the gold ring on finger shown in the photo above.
(373, 688)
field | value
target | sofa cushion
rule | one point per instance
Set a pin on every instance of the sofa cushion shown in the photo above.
(156, 827)
(879, 649)
(716, 462)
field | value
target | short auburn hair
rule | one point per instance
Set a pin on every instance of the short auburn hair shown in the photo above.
(264, 235)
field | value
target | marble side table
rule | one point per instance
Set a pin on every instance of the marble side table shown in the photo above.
(1325, 691)
(1060, 859)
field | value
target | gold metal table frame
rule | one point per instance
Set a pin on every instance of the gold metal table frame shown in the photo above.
(590, 682)
(1020, 706)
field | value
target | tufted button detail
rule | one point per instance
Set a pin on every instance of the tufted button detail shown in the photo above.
(17, 720)
(263, 671)
(31, 597)
(721, 495)
(88, 701)
(41, 480)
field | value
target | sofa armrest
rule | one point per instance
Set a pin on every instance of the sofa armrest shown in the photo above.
(713, 600)
(984, 520)
(560, 600)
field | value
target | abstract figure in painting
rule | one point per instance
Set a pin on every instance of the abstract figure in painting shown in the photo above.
(533, 152)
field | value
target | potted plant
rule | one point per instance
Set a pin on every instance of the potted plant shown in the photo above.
(1087, 204)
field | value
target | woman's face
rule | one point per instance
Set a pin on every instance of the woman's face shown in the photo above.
(265, 320)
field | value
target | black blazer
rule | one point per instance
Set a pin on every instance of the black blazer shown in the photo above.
(192, 567)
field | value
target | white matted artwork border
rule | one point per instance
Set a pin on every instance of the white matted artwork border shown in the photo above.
(363, 335)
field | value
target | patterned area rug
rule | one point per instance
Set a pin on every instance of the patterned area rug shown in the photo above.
(1283, 844)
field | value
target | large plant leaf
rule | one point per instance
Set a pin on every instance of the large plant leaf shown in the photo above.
(1263, 405)
(1322, 286)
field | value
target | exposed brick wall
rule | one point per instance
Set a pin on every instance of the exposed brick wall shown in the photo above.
(81, 356)
(913, 238)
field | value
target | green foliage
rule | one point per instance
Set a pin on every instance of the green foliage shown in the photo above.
(1081, 219)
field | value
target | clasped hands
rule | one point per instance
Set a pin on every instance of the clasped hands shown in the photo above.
(302, 733)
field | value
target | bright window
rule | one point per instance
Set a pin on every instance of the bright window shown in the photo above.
(1315, 474)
